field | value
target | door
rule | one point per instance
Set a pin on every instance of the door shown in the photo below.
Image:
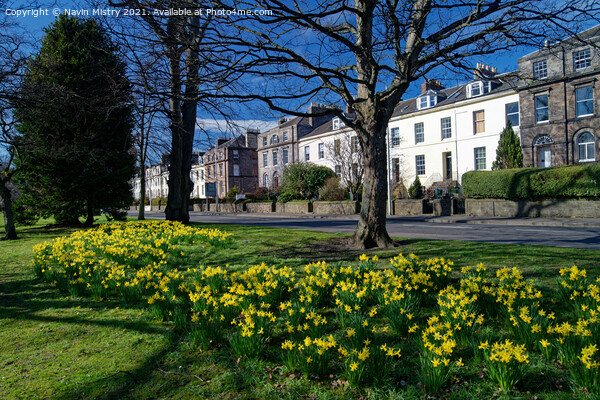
(545, 157)
(448, 165)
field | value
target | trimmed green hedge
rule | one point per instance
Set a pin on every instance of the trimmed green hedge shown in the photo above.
(573, 181)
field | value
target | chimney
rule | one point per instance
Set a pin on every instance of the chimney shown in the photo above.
(431, 84)
(221, 140)
(315, 121)
(282, 120)
(483, 71)
(252, 138)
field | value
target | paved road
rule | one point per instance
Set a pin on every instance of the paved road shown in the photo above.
(516, 232)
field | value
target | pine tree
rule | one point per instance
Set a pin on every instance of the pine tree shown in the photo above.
(509, 153)
(75, 117)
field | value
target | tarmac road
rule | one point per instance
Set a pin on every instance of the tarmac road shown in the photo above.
(549, 232)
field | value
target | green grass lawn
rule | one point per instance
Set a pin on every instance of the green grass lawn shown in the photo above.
(56, 346)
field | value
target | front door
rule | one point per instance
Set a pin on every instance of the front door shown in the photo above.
(545, 157)
(448, 165)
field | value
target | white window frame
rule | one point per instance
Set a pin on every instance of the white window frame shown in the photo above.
(420, 164)
(476, 121)
(509, 114)
(236, 154)
(306, 153)
(540, 69)
(274, 158)
(587, 147)
(419, 132)
(285, 156)
(236, 170)
(285, 136)
(546, 107)
(395, 137)
(265, 159)
(321, 151)
(446, 127)
(477, 155)
(582, 59)
(586, 100)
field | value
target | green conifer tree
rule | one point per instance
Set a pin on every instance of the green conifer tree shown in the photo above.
(75, 117)
(509, 153)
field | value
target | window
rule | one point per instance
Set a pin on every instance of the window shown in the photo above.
(585, 147)
(354, 144)
(202, 174)
(478, 121)
(321, 151)
(236, 154)
(478, 88)
(419, 132)
(274, 158)
(395, 170)
(307, 153)
(285, 136)
(584, 101)
(337, 124)
(221, 191)
(420, 164)
(540, 69)
(265, 159)
(236, 170)
(479, 158)
(264, 141)
(275, 179)
(266, 180)
(355, 172)
(221, 170)
(512, 114)
(215, 170)
(337, 147)
(581, 59)
(338, 170)
(274, 139)
(446, 128)
(395, 137)
(285, 156)
(541, 108)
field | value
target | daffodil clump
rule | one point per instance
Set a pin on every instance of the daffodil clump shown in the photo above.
(438, 345)
(459, 309)
(586, 372)
(310, 356)
(506, 362)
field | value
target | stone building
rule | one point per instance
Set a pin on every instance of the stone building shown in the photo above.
(233, 163)
(278, 147)
(558, 95)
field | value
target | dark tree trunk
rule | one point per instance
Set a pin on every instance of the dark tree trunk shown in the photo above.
(142, 204)
(183, 124)
(89, 221)
(371, 229)
(9, 216)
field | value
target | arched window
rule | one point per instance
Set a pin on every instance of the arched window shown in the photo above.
(274, 139)
(266, 181)
(585, 147)
(275, 179)
(542, 140)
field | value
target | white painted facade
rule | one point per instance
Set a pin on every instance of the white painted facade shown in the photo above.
(449, 157)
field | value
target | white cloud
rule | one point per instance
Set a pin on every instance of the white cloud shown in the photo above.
(233, 127)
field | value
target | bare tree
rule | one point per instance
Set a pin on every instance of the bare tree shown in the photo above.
(366, 53)
(347, 158)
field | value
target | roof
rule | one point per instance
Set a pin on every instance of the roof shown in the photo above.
(324, 128)
(291, 122)
(454, 95)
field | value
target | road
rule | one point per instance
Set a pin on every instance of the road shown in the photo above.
(576, 237)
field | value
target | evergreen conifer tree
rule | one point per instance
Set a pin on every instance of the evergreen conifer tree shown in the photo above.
(75, 117)
(509, 153)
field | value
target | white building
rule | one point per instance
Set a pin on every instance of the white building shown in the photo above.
(443, 133)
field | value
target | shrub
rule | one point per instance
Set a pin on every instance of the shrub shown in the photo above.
(574, 181)
(415, 191)
(509, 153)
(331, 190)
(301, 181)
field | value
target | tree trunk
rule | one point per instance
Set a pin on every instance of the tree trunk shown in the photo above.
(371, 230)
(89, 221)
(9, 216)
(142, 205)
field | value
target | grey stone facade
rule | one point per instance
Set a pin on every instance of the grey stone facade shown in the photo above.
(283, 139)
(233, 163)
(552, 72)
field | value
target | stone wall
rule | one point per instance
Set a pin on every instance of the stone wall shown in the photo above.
(266, 207)
(409, 207)
(336, 207)
(543, 208)
(295, 207)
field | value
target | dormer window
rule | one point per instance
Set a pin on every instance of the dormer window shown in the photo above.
(427, 100)
(338, 124)
(478, 88)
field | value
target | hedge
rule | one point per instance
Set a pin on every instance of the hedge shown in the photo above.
(573, 181)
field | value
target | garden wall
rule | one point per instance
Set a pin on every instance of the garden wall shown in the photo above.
(336, 207)
(541, 208)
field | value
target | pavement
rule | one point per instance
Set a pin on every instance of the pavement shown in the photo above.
(455, 219)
